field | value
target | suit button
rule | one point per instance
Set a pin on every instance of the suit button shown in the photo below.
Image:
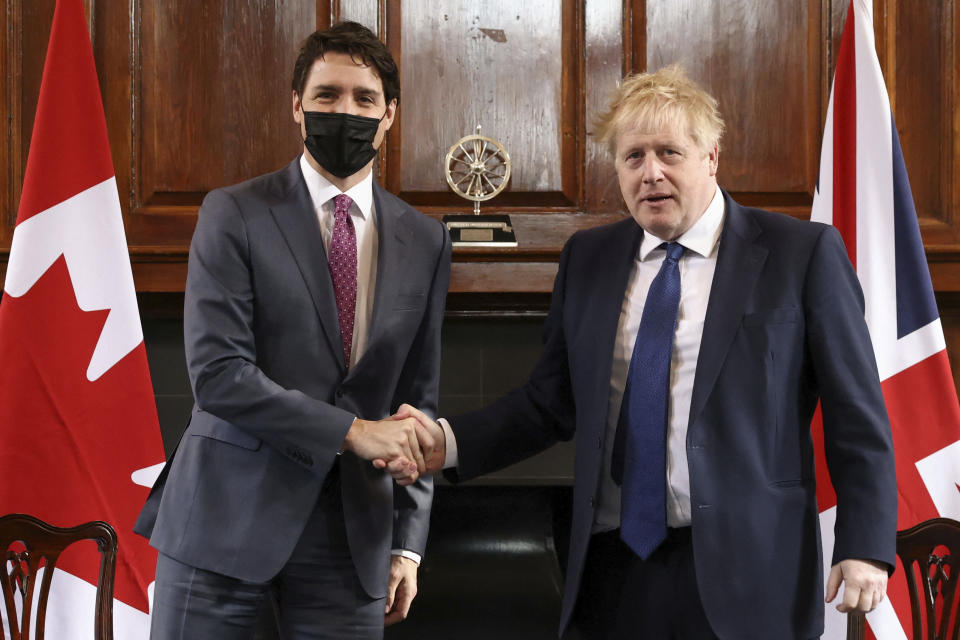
(593, 502)
(599, 443)
(339, 393)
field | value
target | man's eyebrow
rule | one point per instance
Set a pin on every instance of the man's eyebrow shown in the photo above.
(326, 87)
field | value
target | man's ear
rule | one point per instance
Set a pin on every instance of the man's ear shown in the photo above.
(389, 115)
(297, 109)
(713, 158)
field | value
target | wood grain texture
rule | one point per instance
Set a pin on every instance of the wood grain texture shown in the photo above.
(215, 84)
(604, 54)
(923, 81)
(366, 12)
(9, 109)
(197, 96)
(756, 58)
(28, 33)
(494, 63)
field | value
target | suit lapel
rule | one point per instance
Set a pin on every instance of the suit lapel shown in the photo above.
(297, 220)
(609, 291)
(395, 243)
(739, 264)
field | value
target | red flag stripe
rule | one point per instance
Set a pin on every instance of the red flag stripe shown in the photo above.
(845, 141)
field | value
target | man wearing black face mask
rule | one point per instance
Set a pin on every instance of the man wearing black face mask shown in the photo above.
(313, 307)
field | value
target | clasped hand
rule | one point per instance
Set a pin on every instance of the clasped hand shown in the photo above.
(407, 445)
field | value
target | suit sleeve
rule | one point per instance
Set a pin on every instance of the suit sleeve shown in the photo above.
(221, 346)
(531, 418)
(858, 442)
(419, 386)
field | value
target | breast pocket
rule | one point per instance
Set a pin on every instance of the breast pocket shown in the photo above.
(776, 338)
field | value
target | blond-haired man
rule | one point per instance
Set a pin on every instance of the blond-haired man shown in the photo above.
(686, 349)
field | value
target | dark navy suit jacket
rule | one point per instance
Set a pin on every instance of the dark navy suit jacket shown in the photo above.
(784, 328)
(274, 400)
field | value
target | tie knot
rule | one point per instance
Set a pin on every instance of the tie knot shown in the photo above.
(342, 204)
(674, 250)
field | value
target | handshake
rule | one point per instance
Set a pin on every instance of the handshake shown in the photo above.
(407, 445)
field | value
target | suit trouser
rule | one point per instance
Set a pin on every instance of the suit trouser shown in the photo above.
(318, 590)
(623, 597)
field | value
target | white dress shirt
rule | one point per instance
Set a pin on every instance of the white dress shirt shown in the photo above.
(697, 266)
(364, 218)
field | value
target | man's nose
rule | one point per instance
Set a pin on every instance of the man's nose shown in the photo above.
(345, 104)
(651, 171)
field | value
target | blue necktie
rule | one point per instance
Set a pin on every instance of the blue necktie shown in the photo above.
(640, 452)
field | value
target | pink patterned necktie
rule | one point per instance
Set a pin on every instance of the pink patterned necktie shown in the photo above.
(343, 269)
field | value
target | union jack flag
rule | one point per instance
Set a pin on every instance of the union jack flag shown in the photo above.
(863, 191)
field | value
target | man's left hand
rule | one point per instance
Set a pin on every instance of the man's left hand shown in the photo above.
(865, 584)
(402, 589)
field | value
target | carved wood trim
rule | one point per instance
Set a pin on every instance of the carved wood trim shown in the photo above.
(13, 79)
(634, 36)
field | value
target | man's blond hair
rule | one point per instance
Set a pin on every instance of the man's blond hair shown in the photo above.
(658, 101)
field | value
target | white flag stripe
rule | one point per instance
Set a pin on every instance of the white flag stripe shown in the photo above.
(71, 609)
(834, 622)
(70, 612)
(912, 348)
(941, 476)
(884, 622)
(822, 209)
(87, 230)
(147, 476)
(876, 247)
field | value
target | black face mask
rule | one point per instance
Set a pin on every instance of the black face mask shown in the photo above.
(341, 143)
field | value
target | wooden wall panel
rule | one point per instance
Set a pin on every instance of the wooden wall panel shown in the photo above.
(923, 82)
(27, 32)
(489, 64)
(196, 95)
(604, 65)
(214, 83)
(498, 64)
(369, 13)
(210, 105)
(761, 61)
(7, 48)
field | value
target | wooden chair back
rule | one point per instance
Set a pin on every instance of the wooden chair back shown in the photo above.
(930, 553)
(42, 544)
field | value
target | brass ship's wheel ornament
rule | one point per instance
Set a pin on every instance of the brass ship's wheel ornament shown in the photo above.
(477, 168)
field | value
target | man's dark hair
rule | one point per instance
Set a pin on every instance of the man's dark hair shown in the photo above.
(359, 43)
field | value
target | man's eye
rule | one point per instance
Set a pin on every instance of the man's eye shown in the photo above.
(669, 152)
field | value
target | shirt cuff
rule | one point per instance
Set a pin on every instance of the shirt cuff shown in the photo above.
(416, 557)
(450, 460)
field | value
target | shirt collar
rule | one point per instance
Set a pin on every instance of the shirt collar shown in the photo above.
(322, 191)
(701, 238)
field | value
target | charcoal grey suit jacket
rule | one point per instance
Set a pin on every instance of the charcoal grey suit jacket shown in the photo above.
(274, 399)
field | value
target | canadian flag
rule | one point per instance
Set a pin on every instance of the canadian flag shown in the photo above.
(864, 192)
(79, 437)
